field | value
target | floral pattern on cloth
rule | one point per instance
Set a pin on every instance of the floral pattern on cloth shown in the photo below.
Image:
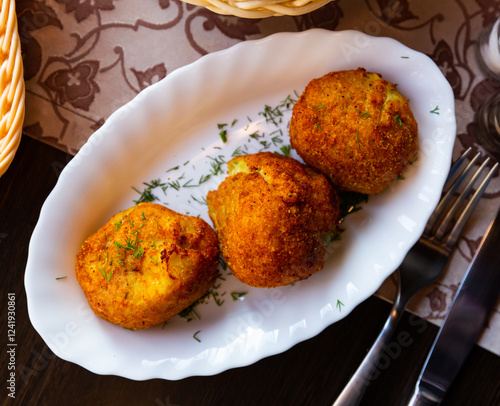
(75, 85)
(86, 58)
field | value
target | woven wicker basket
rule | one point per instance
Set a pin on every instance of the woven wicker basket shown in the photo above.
(11, 85)
(260, 8)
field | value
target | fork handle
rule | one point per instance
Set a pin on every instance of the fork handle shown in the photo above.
(419, 399)
(365, 374)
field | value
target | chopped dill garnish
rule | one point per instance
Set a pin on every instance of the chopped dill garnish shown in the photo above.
(398, 120)
(196, 338)
(272, 115)
(222, 262)
(202, 200)
(339, 305)
(176, 185)
(215, 295)
(237, 151)
(189, 313)
(255, 135)
(204, 178)
(216, 164)
(154, 183)
(103, 272)
(276, 140)
(61, 277)
(288, 101)
(147, 195)
(238, 295)
(188, 184)
(435, 110)
(285, 149)
(365, 115)
(223, 135)
(131, 245)
(139, 253)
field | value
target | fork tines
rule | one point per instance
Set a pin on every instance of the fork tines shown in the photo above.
(455, 207)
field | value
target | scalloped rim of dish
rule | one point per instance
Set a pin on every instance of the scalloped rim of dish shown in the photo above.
(249, 67)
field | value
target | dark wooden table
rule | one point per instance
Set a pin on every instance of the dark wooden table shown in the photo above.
(311, 373)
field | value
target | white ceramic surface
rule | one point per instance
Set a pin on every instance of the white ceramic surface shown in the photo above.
(175, 121)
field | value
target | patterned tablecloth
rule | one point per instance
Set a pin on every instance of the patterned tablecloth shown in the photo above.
(84, 59)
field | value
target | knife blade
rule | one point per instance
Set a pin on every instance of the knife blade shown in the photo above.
(464, 323)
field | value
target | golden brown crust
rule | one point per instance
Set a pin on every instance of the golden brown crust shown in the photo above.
(146, 264)
(356, 128)
(269, 214)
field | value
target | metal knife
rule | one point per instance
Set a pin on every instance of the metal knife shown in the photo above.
(466, 319)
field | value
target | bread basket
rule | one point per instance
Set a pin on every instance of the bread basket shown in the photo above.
(11, 85)
(260, 8)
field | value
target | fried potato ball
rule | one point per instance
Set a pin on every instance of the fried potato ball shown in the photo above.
(356, 128)
(146, 264)
(269, 215)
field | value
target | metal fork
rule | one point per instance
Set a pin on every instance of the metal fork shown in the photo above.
(425, 261)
